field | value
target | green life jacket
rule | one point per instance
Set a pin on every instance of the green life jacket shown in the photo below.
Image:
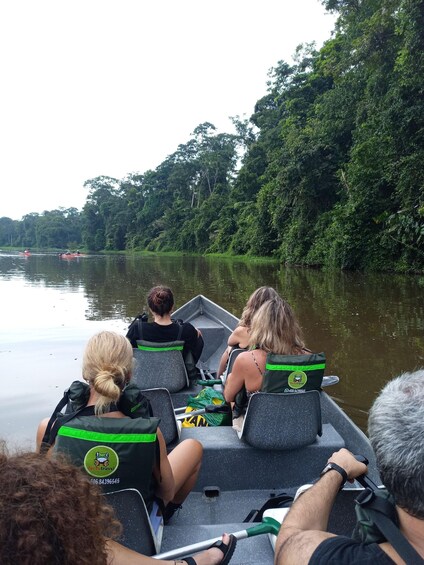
(293, 373)
(366, 531)
(286, 373)
(378, 522)
(116, 453)
(132, 402)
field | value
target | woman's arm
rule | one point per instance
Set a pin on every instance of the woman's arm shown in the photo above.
(163, 473)
(41, 430)
(132, 334)
(193, 340)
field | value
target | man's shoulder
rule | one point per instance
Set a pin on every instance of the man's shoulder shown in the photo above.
(341, 549)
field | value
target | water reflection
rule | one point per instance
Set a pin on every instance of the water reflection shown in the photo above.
(370, 326)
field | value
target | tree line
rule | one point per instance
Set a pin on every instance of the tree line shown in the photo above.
(328, 171)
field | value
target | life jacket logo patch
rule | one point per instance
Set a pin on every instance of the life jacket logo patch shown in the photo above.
(297, 379)
(101, 461)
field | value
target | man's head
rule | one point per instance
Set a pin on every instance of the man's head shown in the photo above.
(396, 431)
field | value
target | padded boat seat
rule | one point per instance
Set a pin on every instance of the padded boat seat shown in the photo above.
(160, 365)
(282, 420)
(232, 464)
(231, 360)
(137, 532)
(163, 408)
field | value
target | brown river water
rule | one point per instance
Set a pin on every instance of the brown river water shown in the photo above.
(371, 326)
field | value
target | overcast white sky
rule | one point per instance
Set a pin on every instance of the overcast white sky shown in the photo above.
(101, 87)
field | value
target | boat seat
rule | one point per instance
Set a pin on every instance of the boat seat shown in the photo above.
(233, 464)
(231, 360)
(160, 365)
(163, 408)
(137, 532)
(282, 420)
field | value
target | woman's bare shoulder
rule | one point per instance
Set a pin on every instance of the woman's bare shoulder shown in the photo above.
(247, 359)
(239, 334)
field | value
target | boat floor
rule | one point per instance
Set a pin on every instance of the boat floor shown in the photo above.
(203, 517)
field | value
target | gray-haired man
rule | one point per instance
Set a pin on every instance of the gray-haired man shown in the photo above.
(396, 431)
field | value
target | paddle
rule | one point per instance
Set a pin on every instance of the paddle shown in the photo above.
(209, 382)
(267, 526)
(364, 480)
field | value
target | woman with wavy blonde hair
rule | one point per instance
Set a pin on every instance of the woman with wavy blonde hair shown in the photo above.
(240, 337)
(274, 329)
(107, 368)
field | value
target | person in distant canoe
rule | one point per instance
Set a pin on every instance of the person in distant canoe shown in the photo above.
(274, 329)
(163, 478)
(240, 337)
(51, 514)
(163, 329)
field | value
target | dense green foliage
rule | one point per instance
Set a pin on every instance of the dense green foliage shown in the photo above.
(57, 229)
(328, 171)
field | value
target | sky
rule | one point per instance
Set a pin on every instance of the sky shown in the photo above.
(101, 87)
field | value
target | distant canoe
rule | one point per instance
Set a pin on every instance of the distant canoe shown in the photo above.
(25, 253)
(71, 255)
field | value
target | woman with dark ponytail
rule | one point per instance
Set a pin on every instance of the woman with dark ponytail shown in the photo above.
(163, 329)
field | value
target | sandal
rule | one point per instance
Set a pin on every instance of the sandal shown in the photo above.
(227, 551)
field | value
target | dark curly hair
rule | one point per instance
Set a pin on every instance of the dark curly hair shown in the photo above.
(51, 514)
(160, 300)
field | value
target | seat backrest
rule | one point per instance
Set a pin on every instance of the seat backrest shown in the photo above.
(163, 408)
(282, 421)
(160, 365)
(137, 531)
(233, 356)
(231, 359)
(293, 373)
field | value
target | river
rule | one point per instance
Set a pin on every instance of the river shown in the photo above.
(371, 326)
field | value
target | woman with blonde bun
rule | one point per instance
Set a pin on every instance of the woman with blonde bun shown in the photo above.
(140, 460)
